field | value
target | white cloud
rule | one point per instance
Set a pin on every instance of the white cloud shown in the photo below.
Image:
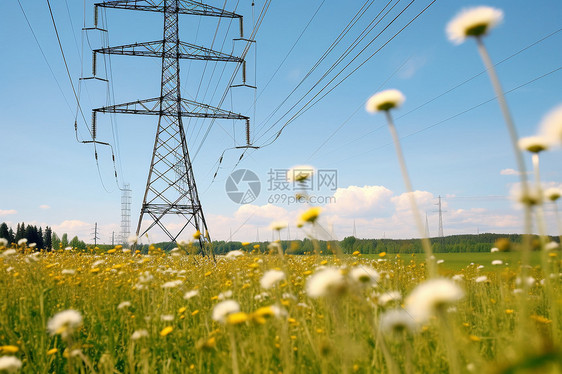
(73, 228)
(509, 172)
(424, 200)
(375, 211)
(412, 66)
(365, 201)
(44, 206)
(7, 212)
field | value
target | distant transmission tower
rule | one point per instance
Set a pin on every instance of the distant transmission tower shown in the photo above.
(170, 188)
(95, 235)
(441, 211)
(125, 214)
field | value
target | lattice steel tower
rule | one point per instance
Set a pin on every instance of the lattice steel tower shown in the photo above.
(125, 214)
(170, 188)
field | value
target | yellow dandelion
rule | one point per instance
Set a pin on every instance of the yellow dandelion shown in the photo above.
(356, 253)
(166, 330)
(540, 319)
(9, 349)
(311, 214)
(237, 318)
(52, 351)
(382, 254)
(474, 338)
(112, 251)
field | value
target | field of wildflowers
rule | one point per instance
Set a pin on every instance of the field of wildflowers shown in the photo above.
(262, 310)
(252, 311)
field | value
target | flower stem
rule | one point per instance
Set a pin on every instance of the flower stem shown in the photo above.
(430, 261)
(544, 255)
(233, 353)
(526, 252)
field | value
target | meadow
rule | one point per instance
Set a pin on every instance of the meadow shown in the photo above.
(260, 309)
(170, 313)
(455, 262)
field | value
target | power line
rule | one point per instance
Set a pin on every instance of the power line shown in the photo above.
(457, 114)
(358, 109)
(354, 20)
(44, 57)
(93, 141)
(236, 70)
(306, 107)
(338, 39)
(290, 51)
(451, 89)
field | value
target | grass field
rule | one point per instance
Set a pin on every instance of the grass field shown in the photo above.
(457, 261)
(254, 312)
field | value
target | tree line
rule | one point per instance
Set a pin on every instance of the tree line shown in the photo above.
(45, 239)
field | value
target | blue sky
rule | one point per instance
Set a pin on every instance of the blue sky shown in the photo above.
(452, 150)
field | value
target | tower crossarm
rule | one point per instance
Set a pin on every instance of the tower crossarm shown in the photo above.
(156, 49)
(189, 108)
(184, 7)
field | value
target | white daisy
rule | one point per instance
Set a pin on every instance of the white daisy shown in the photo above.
(326, 282)
(551, 125)
(190, 294)
(396, 321)
(533, 144)
(385, 100)
(475, 22)
(300, 173)
(388, 297)
(172, 284)
(432, 295)
(481, 279)
(225, 295)
(124, 304)
(132, 240)
(234, 254)
(9, 252)
(10, 364)
(223, 309)
(278, 225)
(271, 278)
(64, 323)
(552, 193)
(364, 275)
(139, 334)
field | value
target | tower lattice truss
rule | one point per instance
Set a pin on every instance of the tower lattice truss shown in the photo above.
(170, 188)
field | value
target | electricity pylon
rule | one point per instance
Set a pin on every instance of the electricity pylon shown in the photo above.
(170, 187)
(125, 214)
